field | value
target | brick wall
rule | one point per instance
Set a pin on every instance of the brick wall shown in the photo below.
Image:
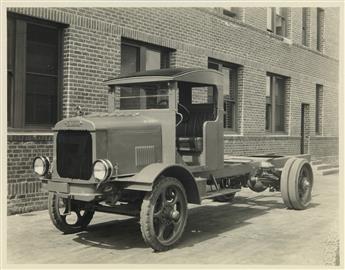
(24, 189)
(296, 25)
(92, 54)
(256, 17)
(332, 32)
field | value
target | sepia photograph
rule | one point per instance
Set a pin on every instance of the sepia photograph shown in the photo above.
(171, 134)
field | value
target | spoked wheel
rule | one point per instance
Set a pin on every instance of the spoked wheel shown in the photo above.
(163, 214)
(296, 183)
(76, 221)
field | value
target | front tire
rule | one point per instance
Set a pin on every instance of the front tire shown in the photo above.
(163, 215)
(77, 221)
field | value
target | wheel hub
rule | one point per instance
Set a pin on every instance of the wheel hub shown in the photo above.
(305, 183)
(169, 213)
(174, 214)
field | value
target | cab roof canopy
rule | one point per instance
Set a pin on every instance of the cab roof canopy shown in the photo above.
(192, 75)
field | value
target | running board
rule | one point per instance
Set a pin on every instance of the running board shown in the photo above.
(213, 194)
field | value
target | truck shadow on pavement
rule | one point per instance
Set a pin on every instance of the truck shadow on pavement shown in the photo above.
(204, 222)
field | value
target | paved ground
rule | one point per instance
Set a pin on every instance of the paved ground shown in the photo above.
(256, 229)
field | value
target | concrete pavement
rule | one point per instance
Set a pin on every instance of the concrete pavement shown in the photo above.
(255, 229)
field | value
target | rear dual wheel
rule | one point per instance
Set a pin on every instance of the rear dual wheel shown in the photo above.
(163, 215)
(296, 183)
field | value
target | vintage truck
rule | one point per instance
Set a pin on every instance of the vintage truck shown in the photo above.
(161, 150)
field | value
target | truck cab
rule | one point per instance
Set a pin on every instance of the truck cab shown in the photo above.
(189, 106)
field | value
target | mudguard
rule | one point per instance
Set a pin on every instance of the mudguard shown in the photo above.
(145, 179)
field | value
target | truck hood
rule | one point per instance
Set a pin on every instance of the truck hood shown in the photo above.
(107, 121)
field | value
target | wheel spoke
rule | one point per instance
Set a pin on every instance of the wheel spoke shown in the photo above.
(174, 199)
(164, 197)
(158, 214)
(176, 224)
(162, 227)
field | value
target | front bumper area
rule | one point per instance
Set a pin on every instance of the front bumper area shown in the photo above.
(76, 191)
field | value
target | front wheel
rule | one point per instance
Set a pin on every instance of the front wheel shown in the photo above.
(74, 222)
(163, 215)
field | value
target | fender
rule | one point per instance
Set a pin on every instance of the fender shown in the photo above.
(145, 179)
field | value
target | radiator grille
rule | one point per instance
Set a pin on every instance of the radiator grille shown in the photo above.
(144, 155)
(74, 154)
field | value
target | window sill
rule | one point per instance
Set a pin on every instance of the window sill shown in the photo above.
(30, 132)
(277, 134)
(271, 34)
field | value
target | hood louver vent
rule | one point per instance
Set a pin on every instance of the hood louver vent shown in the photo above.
(144, 155)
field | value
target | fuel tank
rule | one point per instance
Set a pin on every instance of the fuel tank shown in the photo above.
(128, 139)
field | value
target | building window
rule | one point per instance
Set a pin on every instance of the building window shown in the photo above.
(275, 103)
(277, 21)
(33, 72)
(320, 29)
(305, 27)
(138, 56)
(230, 87)
(318, 109)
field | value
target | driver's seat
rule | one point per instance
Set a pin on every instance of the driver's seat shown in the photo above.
(189, 134)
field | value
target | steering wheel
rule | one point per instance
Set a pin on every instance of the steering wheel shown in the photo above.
(163, 104)
(183, 112)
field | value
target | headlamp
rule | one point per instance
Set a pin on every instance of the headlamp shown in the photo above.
(102, 169)
(41, 165)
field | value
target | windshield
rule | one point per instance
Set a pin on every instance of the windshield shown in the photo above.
(143, 97)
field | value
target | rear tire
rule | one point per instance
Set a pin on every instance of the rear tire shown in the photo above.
(57, 206)
(163, 215)
(296, 183)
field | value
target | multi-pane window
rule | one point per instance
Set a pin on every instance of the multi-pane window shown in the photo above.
(277, 20)
(305, 26)
(275, 103)
(137, 56)
(33, 73)
(230, 72)
(320, 28)
(318, 108)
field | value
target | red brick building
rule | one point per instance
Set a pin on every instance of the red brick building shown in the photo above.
(280, 66)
